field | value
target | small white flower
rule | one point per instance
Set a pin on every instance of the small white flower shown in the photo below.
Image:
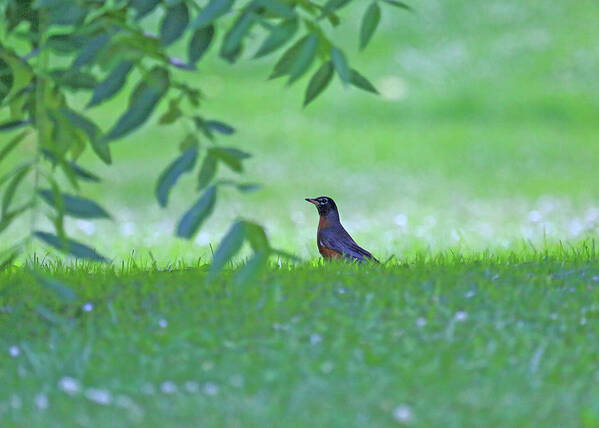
(595, 278)
(534, 216)
(403, 414)
(14, 351)
(470, 294)
(88, 307)
(401, 220)
(461, 316)
(41, 401)
(69, 385)
(421, 322)
(168, 387)
(315, 339)
(583, 321)
(210, 389)
(163, 323)
(98, 396)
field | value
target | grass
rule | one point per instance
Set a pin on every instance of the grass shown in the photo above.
(445, 339)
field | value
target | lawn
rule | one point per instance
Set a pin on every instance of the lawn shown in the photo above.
(448, 340)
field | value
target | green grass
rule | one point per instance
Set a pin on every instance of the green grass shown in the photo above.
(444, 339)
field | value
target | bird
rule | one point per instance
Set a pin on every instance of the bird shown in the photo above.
(332, 239)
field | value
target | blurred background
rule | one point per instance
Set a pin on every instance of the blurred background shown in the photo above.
(485, 136)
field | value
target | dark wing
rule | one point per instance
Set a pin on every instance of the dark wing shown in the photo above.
(338, 239)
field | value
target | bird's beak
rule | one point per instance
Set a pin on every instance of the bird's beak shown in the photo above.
(312, 201)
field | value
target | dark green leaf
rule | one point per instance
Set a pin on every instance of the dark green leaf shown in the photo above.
(399, 4)
(11, 188)
(361, 82)
(172, 114)
(277, 8)
(197, 214)
(199, 43)
(74, 206)
(278, 36)
(253, 267)
(320, 80)
(248, 187)
(220, 127)
(304, 58)
(6, 79)
(74, 78)
(201, 126)
(333, 5)
(99, 146)
(341, 65)
(174, 23)
(256, 237)
(208, 170)
(370, 21)
(231, 157)
(232, 44)
(61, 290)
(284, 63)
(20, 71)
(91, 49)
(229, 246)
(142, 102)
(8, 217)
(144, 7)
(10, 146)
(171, 174)
(13, 124)
(70, 246)
(213, 10)
(83, 173)
(113, 83)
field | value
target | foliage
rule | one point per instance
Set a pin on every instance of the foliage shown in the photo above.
(51, 49)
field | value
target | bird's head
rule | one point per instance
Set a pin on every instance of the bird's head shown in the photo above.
(324, 205)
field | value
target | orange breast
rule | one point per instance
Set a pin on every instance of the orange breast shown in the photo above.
(327, 253)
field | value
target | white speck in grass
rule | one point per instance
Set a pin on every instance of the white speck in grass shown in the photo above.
(88, 307)
(470, 294)
(403, 414)
(148, 389)
(341, 290)
(41, 401)
(421, 322)
(534, 216)
(15, 401)
(69, 385)
(461, 316)
(168, 387)
(583, 321)
(315, 339)
(14, 351)
(192, 387)
(163, 323)
(494, 277)
(553, 316)
(401, 220)
(86, 226)
(98, 396)
(210, 388)
(595, 278)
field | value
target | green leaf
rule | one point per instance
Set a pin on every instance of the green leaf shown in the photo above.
(256, 237)
(320, 80)
(370, 21)
(208, 170)
(253, 267)
(229, 246)
(172, 114)
(197, 214)
(232, 44)
(333, 5)
(220, 127)
(277, 8)
(341, 65)
(10, 146)
(399, 4)
(99, 146)
(199, 43)
(284, 63)
(8, 261)
(73, 78)
(361, 82)
(61, 290)
(70, 246)
(21, 71)
(174, 23)
(113, 83)
(13, 124)
(74, 206)
(11, 188)
(231, 157)
(278, 36)
(215, 9)
(304, 58)
(142, 102)
(171, 174)
(248, 187)
(8, 217)
(91, 49)
(144, 7)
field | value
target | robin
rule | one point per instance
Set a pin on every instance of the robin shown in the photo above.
(332, 239)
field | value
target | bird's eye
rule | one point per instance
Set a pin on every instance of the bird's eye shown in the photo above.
(323, 201)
